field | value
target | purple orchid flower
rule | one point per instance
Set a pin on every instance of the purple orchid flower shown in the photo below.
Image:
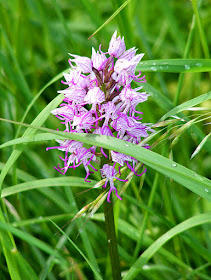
(99, 99)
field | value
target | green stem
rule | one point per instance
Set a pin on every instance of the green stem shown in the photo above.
(112, 240)
(201, 30)
(202, 35)
(110, 231)
(186, 53)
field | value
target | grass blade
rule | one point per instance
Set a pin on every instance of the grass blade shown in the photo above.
(50, 182)
(98, 276)
(184, 176)
(111, 17)
(198, 149)
(39, 120)
(190, 223)
(175, 65)
(188, 104)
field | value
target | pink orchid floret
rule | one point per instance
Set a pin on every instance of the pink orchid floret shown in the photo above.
(116, 45)
(109, 173)
(84, 64)
(98, 59)
(99, 99)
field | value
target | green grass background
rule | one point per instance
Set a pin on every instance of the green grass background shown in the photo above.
(163, 221)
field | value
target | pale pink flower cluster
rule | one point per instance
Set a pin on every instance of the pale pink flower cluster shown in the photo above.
(99, 99)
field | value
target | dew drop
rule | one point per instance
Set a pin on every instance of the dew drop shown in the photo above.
(206, 190)
(174, 164)
(153, 63)
(153, 68)
(14, 250)
(109, 240)
(187, 67)
(199, 64)
(127, 145)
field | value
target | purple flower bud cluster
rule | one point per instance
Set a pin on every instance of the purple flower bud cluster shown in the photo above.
(99, 99)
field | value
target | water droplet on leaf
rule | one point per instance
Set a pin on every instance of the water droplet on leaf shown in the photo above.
(187, 67)
(174, 164)
(206, 190)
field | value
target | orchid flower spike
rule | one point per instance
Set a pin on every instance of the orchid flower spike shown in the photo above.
(100, 100)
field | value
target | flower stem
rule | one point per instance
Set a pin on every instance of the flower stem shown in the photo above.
(110, 230)
(112, 240)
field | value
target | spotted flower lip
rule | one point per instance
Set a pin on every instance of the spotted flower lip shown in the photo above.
(99, 99)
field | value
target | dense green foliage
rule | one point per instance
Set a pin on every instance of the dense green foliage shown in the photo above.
(170, 203)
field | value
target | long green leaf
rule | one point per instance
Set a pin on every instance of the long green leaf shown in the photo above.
(133, 233)
(29, 139)
(56, 78)
(16, 76)
(111, 17)
(50, 182)
(39, 120)
(201, 30)
(188, 104)
(29, 239)
(162, 101)
(184, 176)
(148, 253)
(98, 276)
(175, 65)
